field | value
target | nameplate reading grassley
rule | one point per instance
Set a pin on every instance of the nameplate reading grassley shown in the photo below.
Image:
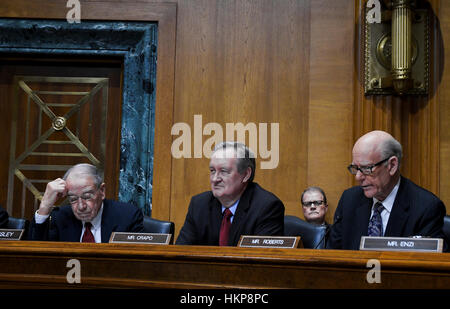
(285, 242)
(140, 238)
(11, 234)
(401, 244)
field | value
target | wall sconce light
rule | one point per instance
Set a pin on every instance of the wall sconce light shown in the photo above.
(397, 43)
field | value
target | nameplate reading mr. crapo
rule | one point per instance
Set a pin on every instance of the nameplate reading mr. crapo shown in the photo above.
(140, 238)
(285, 242)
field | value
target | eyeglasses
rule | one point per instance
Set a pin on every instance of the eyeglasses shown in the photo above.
(73, 199)
(366, 170)
(315, 203)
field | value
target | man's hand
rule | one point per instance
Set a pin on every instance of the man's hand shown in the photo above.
(55, 190)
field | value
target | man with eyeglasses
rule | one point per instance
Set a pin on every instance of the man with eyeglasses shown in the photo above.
(89, 217)
(384, 203)
(314, 205)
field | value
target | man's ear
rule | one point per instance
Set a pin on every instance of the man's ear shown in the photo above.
(102, 190)
(248, 174)
(393, 165)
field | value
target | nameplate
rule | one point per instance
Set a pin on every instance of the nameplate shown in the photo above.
(140, 238)
(11, 234)
(401, 244)
(284, 242)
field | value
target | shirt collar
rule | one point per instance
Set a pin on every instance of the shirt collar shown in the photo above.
(390, 199)
(97, 221)
(232, 208)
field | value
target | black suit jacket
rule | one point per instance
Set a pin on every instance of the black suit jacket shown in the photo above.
(259, 212)
(62, 225)
(4, 217)
(416, 211)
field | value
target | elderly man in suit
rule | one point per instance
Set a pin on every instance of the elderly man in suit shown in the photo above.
(235, 205)
(89, 217)
(385, 203)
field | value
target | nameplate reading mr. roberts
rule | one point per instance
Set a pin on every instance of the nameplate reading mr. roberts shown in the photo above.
(10, 234)
(140, 238)
(284, 242)
(401, 244)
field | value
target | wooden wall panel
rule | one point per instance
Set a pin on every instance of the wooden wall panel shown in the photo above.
(331, 98)
(442, 31)
(243, 61)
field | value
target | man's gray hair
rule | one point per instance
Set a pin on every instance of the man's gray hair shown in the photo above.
(86, 169)
(391, 147)
(314, 189)
(246, 157)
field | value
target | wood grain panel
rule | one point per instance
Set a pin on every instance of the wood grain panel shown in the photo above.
(441, 34)
(44, 264)
(331, 98)
(247, 62)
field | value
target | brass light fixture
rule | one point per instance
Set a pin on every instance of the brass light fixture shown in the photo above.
(396, 48)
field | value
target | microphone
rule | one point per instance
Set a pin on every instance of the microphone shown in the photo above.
(337, 220)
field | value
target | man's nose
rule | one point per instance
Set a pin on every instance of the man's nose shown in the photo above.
(359, 176)
(215, 177)
(81, 204)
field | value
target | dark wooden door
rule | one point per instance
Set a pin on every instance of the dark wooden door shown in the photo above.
(54, 113)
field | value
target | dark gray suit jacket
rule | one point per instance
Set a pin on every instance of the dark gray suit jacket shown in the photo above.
(62, 225)
(416, 211)
(4, 217)
(259, 212)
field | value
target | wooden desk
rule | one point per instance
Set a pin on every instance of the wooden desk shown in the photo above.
(43, 264)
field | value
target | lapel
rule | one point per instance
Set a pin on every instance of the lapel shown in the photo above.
(241, 215)
(75, 233)
(400, 211)
(108, 224)
(70, 227)
(215, 209)
(362, 213)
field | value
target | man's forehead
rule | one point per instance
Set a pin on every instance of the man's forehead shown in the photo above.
(222, 161)
(312, 195)
(80, 179)
(225, 153)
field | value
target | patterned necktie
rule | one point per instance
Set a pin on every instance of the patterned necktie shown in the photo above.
(376, 223)
(87, 236)
(225, 228)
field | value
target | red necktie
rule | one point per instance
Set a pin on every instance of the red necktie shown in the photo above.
(87, 236)
(225, 228)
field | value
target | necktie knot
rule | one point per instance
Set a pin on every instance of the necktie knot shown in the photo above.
(379, 207)
(227, 214)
